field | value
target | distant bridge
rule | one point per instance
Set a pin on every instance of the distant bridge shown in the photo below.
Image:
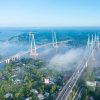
(33, 48)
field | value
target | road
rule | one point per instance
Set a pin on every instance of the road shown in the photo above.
(67, 89)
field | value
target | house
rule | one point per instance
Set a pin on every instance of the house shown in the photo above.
(8, 95)
(23, 64)
(91, 83)
(49, 80)
(41, 97)
(46, 80)
(34, 91)
(91, 98)
(27, 99)
(46, 94)
(2, 78)
(98, 83)
(13, 76)
(17, 81)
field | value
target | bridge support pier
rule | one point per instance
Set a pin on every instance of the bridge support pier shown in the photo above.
(7, 61)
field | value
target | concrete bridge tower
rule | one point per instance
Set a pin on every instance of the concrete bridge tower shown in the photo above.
(97, 40)
(33, 51)
(54, 39)
(88, 42)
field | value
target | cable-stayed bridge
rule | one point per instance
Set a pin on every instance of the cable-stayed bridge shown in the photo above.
(89, 52)
(33, 48)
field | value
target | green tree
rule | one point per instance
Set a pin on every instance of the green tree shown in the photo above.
(53, 88)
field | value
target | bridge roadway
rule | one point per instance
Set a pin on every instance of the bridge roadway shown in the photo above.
(67, 89)
(22, 53)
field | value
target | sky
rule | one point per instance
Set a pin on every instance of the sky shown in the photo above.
(42, 13)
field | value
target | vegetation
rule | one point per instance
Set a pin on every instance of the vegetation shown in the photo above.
(20, 77)
(90, 91)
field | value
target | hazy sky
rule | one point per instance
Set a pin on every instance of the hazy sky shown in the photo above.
(49, 13)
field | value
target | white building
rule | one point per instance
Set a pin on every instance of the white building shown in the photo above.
(91, 83)
(7, 95)
(41, 97)
(34, 91)
(46, 81)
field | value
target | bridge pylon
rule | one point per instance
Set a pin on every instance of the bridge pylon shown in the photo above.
(95, 38)
(98, 43)
(54, 40)
(93, 43)
(33, 51)
(88, 42)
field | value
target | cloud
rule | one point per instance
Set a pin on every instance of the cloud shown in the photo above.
(67, 60)
(7, 48)
(95, 59)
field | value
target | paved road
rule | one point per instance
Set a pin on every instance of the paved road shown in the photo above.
(65, 92)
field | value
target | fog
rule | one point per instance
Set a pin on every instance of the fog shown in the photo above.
(67, 60)
(7, 48)
(95, 59)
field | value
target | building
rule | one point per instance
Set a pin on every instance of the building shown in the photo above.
(46, 81)
(34, 91)
(91, 83)
(41, 97)
(8, 95)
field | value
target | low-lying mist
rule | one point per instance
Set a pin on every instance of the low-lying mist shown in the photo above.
(67, 60)
(7, 48)
(95, 59)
